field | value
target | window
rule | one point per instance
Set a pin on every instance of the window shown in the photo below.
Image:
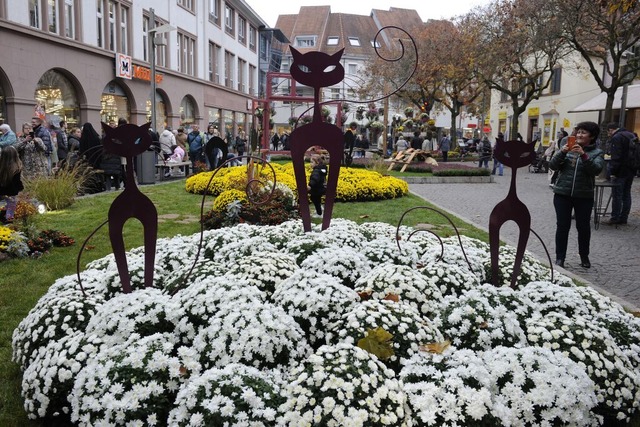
(332, 41)
(52, 15)
(375, 44)
(242, 83)
(112, 25)
(214, 11)
(114, 33)
(305, 41)
(252, 80)
(354, 41)
(124, 39)
(214, 63)
(186, 54)
(100, 23)
(252, 38)
(229, 59)
(34, 13)
(352, 68)
(556, 79)
(229, 18)
(242, 30)
(187, 4)
(335, 93)
(161, 48)
(69, 19)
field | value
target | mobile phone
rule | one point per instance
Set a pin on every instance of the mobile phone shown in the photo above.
(571, 141)
(31, 134)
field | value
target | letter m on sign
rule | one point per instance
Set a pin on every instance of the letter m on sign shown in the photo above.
(123, 66)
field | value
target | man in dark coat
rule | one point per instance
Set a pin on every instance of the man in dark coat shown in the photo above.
(621, 174)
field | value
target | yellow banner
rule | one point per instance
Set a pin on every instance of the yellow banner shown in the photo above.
(502, 115)
(534, 111)
(566, 124)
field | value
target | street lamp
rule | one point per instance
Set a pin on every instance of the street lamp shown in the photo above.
(153, 33)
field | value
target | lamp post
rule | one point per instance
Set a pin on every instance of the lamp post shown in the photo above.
(153, 33)
(626, 56)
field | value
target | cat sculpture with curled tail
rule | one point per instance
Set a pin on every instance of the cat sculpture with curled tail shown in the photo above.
(128, 141)
(317, 70)
(515, 154)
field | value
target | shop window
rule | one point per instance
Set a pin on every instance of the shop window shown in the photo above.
(56, 96)
(115, 104)
(161, 111)
(187, 111)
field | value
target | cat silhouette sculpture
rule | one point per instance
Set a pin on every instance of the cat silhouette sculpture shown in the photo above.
(317, 70)
(515, 154)
(128, 141)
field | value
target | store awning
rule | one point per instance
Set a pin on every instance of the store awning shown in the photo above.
(598, 102)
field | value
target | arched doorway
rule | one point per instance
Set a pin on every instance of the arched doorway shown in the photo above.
(161, 111)
(115, 103)
(56, 99)
(188, 111)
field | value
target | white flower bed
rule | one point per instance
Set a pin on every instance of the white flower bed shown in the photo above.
(233, 342)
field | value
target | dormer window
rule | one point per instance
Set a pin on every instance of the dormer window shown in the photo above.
(333, 41)
(354, 41)
(305, 41)
(375, 44)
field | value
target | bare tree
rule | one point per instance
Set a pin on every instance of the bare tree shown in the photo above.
(605, 33)
(517, 44)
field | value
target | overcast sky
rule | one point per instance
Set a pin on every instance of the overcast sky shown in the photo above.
(427, 9)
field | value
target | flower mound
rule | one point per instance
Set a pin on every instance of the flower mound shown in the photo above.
(236, 395)
(343, 385)
(233, 342)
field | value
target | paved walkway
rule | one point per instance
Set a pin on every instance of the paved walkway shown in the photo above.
(615, 253)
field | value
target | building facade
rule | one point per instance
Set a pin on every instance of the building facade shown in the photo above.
(89, 61)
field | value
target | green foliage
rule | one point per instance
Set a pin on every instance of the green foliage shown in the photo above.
(378, 342)
(463, 172)
(59, 191)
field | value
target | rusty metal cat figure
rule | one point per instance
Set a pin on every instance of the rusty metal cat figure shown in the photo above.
(317, 70)
(514, 154)
(129, 141)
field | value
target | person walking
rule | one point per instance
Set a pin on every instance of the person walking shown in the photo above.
(316, 186)
(577, 165)
(497, 165)
(195, 141)
(620, 173)
(62, 142)
(40, 131)
(10, 180)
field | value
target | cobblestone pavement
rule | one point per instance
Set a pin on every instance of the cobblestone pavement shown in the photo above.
(615, 252)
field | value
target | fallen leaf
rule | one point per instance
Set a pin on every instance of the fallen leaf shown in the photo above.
(377, 342)
(392, 297)
(364, 216)
(435, 347)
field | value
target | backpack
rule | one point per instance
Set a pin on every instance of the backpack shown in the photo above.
(633, 153)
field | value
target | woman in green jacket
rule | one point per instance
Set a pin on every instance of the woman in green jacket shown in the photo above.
(577, 168)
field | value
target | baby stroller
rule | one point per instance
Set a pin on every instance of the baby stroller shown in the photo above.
(539, 164)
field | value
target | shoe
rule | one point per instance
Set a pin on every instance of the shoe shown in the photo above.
(584, 262)
(315, 215)
(560, 263)
(613, 222)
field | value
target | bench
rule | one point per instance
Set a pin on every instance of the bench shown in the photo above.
(165, 167)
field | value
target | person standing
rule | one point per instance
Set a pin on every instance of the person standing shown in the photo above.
(63, 141)
(350, 140)
(10, 181)
(195, 140)
(416, 141)
(577, 165)
(620, 173)
(41, 131)
(90, 146)
(316, 186)
(445, 146)
(32, 154)
(7, 136)
(485, 153)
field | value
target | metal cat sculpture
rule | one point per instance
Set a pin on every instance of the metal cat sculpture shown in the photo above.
(129, 141)
(310, 69)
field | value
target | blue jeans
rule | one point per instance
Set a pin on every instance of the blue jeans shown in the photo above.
(498, 165)
(582, 208)
(621, 198)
